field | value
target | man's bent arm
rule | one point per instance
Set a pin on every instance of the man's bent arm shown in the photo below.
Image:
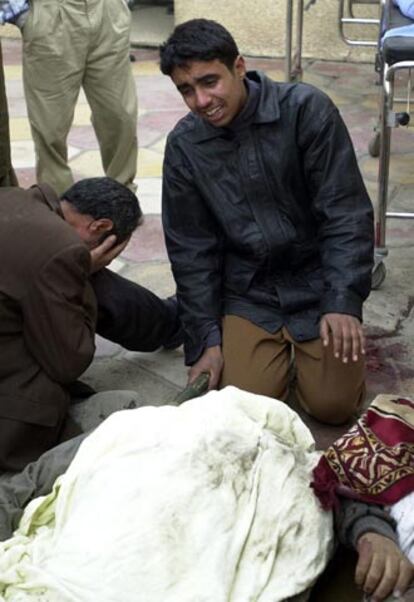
(353, 519)
(59, 313)
(382, 568)
(341, 207)
(194, 249)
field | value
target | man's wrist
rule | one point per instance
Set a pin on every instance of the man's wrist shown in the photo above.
(214, 350)
(345, 302)
(371, 524)
(213, 338)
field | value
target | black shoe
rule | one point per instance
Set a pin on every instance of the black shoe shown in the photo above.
(70, 430)
(175, 340)
(79, 390)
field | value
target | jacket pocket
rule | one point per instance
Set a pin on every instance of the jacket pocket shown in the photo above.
(238, 275)
(119, 17)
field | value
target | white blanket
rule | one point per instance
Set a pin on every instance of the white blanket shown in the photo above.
(403, 514)
(208, 502)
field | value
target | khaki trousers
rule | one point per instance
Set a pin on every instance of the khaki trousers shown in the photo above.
(74, 44)
(258, 361)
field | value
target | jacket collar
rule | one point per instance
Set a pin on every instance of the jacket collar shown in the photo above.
(49, 197)
(268, 110)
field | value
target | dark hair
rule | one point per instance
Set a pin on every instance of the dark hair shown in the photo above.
(198, 40)
(106, 198)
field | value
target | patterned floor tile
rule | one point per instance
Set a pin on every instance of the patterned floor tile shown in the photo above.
(23, 154)
(82, 115)
(149, 163)
(26, 176)
(149, 194)
(83, 137)
(147, 243)
(87, 164)
(20, 128)
(12, 71)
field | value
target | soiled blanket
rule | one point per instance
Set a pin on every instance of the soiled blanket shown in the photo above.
(208, 502)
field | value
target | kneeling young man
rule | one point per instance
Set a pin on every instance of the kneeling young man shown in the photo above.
(268, 227)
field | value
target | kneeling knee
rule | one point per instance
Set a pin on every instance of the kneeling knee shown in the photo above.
(330, 410)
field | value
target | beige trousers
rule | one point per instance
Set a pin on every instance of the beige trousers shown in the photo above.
(258, 361)
(74, 44)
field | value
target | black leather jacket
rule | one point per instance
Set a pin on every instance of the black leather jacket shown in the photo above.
(271, 222)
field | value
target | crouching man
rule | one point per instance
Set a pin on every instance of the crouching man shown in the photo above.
(53, 251)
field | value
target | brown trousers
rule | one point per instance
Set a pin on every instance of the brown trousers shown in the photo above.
(258, 361)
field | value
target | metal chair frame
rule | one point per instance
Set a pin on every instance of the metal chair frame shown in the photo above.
(347, 17)
(293, 55)
(388, 119)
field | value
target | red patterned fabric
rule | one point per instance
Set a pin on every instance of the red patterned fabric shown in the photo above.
(374, 461)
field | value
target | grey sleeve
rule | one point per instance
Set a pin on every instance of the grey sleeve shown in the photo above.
(353, 519)
(36, 479)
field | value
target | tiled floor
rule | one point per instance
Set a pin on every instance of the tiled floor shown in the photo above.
(389, 311)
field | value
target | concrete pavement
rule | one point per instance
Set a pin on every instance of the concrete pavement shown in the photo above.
(158, 376)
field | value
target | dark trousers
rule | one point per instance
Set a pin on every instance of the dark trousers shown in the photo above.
(131, 315)
(128, 314)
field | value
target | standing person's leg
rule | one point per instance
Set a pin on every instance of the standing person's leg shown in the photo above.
(132, 316)
(254, 359)
(55, 41)
(327, 389)
(110, 89)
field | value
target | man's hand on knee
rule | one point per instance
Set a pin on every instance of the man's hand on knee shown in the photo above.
(382, 568)
(348, 339)
(210, 362)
